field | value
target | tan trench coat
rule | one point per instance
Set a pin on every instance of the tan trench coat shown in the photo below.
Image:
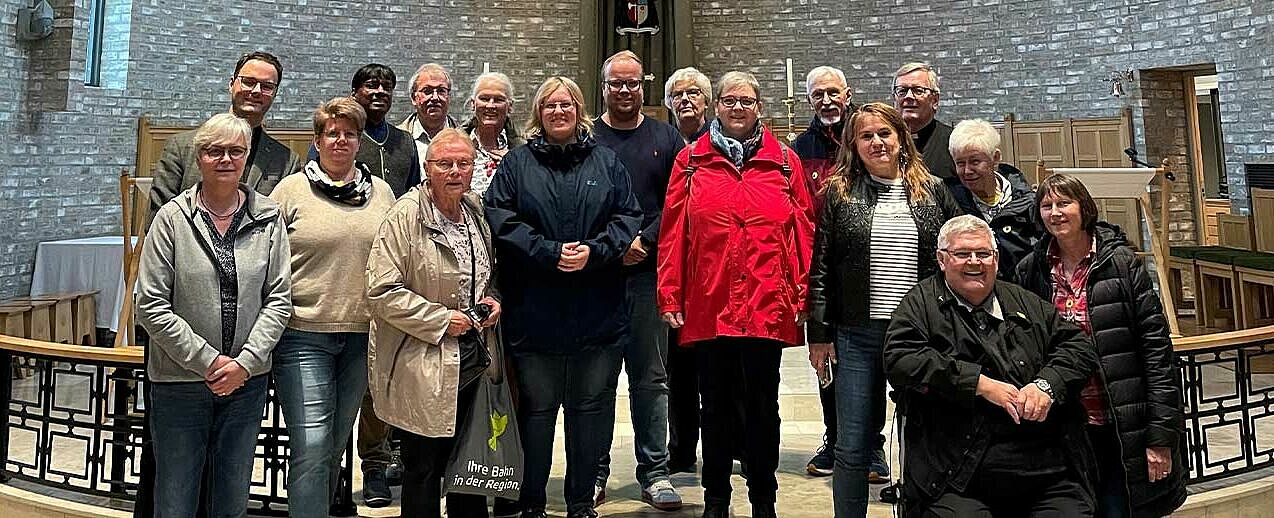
(413, 283)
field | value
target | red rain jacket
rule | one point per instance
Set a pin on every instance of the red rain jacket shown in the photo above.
(735, 246)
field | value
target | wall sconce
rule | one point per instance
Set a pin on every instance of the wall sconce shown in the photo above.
(35, 22)
(1116, 81)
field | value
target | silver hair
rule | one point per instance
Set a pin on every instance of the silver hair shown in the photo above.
(692, 74)
(429, 68)
(223, 127)
(498, 77)
(965, 224)
(820, 72)
(974, 135)
(912, 67)
(738, 78)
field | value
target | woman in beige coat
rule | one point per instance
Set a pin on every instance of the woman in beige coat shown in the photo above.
(431, 265)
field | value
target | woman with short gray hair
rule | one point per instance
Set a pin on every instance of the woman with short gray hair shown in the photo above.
(687, 93)
(993, 190)
(490, 127)
(222, 245)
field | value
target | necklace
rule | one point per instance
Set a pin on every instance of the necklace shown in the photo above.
(233, 210)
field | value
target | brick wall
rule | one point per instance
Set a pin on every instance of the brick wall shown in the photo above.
(60, 163)
(1039, 59)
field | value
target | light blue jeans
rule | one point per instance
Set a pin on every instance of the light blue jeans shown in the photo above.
(860, 396)
(190, 426)
(320, 379)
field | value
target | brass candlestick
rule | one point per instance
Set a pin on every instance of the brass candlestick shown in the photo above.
(790, 103)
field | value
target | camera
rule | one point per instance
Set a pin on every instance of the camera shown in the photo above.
(479, 313)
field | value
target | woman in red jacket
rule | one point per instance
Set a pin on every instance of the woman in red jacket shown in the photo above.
(734, 257)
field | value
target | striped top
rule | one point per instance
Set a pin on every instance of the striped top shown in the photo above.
(894, 249)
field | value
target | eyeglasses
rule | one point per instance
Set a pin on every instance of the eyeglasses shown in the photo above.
(965, 255)
(831, 95)
(251, 83)
(337, 135)
(373, 84)
(216, 152)
(689, 93)
(440, 91)
(731, 102)
(918, 91)
(619, 84)
(445, 165)
(564, 106)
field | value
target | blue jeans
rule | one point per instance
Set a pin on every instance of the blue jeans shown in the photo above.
(320, 379)
(860, 397)
(190, 426)
(580, 383)
(646, 362)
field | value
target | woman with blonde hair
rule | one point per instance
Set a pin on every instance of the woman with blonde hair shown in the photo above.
(563, 214)
(877, 236)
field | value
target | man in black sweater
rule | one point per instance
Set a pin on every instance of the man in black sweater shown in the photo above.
(647, 148)
(915, 92)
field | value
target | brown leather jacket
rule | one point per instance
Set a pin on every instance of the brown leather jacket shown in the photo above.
(413, 283)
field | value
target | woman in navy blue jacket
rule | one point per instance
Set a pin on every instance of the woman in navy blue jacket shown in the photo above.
(563, 214)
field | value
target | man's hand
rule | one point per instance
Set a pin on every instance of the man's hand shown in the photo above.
(822, 356)
(1000, 394)
(1034, 403)
(636, 252)
(1158, 462)
(459, 324)
(574, 257)
(674, 320)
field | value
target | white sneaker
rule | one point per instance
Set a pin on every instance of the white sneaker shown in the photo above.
(661, 495)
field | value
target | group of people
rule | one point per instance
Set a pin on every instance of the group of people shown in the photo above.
(689, 255)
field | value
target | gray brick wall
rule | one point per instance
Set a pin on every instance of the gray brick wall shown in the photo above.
(1039, 59)
(63, 149)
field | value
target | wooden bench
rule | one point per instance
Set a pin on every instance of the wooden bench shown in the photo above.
(23, 321)
(83, 314)
(61, 321)
(1217, 301)
(1254, 275)
(1181, 269)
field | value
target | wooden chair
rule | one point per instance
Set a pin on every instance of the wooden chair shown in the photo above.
(1217, 297)
(79, 309)
(1235, 231)
(1254, 277)
(1183, 270)
(135, 201)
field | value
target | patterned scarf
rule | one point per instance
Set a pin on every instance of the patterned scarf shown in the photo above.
(354, 192)
(737, 152)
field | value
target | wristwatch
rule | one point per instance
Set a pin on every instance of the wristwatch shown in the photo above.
(1045, 387)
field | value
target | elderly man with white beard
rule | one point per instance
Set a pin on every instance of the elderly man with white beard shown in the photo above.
(989, 376)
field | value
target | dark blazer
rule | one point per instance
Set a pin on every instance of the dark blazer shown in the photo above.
(178, 167)
(934, 360)
(1139, 371)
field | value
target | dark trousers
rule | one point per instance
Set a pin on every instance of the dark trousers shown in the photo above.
(683, 405)
(1004, 495)
(827, 398)
(424, 466)
(746, 369)
(1112, 487)
(579, 383)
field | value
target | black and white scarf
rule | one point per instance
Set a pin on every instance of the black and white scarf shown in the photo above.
(354, 192)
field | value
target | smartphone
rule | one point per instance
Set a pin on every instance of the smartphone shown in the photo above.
(826, 379)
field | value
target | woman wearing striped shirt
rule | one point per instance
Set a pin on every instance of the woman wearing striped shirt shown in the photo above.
(877, 235)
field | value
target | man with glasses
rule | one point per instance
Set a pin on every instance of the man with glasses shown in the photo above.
(431, 96)
(253, 87)
(990, 377)
(915, 92)
(828, 94)
(647, 149)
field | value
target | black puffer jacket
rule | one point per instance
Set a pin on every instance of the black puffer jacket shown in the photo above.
(1140, 372)
(842, 247)
(1015, 229)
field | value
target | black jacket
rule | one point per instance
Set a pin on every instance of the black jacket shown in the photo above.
(932, 358)
(1016, 231)
(1140, 371)
(934, 142)
(544, 196)
(842, 248)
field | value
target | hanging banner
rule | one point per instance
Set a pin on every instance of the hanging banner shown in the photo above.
(636, 17)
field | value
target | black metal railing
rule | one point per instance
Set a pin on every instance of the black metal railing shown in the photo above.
(77, 424)
(1229, 398)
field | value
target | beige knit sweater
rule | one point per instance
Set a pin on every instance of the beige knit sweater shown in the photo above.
(330, 244)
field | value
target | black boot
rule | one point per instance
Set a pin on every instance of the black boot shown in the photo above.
(713, 509)
(763, 510)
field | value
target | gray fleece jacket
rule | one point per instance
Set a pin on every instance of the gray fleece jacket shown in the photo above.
(178, 294)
